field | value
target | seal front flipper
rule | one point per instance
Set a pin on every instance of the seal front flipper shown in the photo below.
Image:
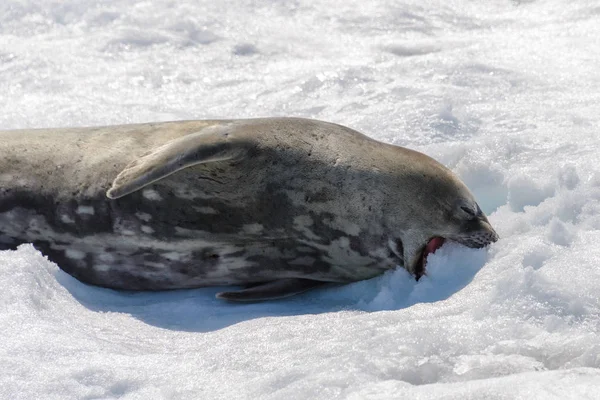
(214, 143)
(271, 290)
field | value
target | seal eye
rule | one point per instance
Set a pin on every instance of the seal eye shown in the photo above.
(470, 212)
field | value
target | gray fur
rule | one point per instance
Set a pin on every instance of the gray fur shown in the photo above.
(206, 203)
(271, 290)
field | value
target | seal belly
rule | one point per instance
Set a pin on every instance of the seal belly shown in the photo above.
(158, 240)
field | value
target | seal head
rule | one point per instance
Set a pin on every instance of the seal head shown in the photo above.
(434, 206)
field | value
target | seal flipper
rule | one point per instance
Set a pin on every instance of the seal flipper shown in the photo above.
(271, 290)
(210, 144)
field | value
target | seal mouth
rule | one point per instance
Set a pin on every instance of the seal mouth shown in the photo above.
(475, 241)
(432, 245)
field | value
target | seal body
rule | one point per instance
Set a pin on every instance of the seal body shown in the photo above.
(284, 204)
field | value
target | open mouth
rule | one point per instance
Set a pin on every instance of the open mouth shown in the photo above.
(432, 245)
(475, 240)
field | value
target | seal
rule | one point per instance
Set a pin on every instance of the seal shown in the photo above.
(279, 205)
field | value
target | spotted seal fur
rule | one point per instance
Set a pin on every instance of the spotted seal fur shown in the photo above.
(279, 204)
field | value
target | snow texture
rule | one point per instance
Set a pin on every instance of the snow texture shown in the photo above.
(506, 93)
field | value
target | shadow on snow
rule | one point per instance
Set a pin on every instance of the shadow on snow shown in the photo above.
(197, 310)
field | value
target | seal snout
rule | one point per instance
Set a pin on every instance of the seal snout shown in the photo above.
(477, 232)
(479, 238)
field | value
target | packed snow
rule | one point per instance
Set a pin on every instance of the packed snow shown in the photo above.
(505, 93)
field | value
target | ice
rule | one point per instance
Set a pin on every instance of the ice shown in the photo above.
(505, 93)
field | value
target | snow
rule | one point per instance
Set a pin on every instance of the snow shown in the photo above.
(504, 93)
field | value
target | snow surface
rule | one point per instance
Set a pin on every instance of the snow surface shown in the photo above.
(507, 94)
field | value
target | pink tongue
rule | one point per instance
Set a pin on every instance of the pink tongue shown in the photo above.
(431, 247)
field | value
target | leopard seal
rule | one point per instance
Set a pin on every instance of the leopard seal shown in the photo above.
(279, 205)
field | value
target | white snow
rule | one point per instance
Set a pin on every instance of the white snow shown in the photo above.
(506, 93)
